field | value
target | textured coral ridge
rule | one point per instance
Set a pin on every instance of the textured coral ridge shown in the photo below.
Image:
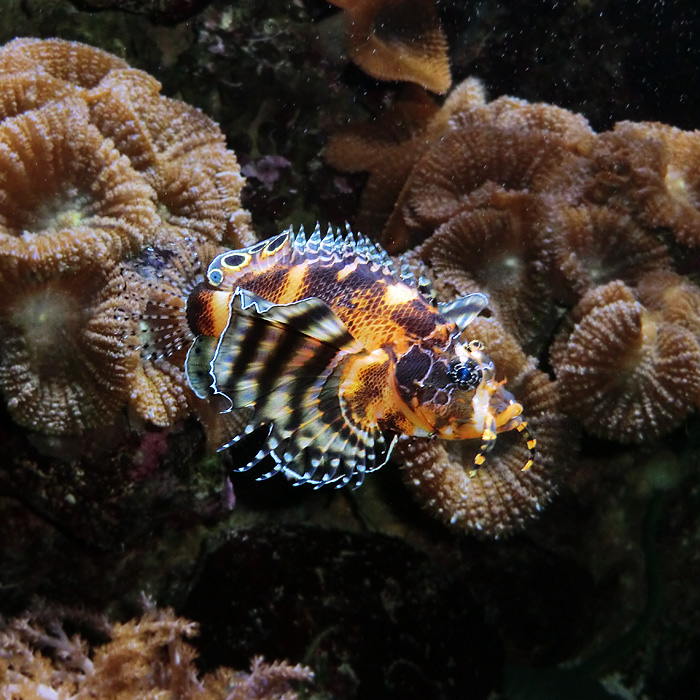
(147, 657)
(579, 239)
(501, 496)
(113, 199)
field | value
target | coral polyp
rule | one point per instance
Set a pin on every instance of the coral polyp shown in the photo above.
(627, 375)
(66, 193)
(65, 363)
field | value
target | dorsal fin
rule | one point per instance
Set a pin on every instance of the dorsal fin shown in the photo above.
(335, 246)
(464, 310)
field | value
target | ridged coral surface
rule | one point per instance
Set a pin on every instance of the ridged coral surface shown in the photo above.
(577, 238)
(100, 173)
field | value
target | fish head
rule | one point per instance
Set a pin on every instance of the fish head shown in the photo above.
(452, 393)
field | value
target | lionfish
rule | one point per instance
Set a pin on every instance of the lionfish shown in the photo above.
(333, 349)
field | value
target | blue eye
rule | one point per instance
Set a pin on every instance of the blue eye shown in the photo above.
(467, 375)
(215, 276)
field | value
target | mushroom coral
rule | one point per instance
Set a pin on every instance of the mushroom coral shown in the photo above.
(593, 245)
(155, 289)
(398, 40)
(66, 193)
(65, 363)
(651, 171)
(106, 188)
(498, 251)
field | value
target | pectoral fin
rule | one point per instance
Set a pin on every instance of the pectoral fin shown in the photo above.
(464, 310)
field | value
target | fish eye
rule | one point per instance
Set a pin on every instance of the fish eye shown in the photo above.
(467, 375)
(215, 276)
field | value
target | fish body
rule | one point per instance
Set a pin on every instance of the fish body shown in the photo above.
(332, 348)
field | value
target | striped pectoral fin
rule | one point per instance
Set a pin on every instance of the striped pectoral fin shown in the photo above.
(464, 310)
(197, 365)
(284, 361)
(309, 439)
(265, 347)
(320, 445)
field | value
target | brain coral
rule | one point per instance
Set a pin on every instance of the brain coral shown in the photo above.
(105, 187)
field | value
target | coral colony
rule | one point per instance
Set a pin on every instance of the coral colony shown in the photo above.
(525, 203)
(574, 237)
(112, 201)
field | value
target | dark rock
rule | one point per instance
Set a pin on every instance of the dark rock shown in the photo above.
(372, 616)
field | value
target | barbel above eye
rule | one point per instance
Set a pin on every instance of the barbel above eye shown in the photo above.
(466, 374)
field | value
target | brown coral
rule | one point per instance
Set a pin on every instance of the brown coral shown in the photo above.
(389, 146)
(70, 61)
(96, 169)
(155, 289)
(398, 40)
(66, 194)
(23, 91)
(674, 297)
(526, 203)
(594, 245)
(499, 251)
(501, 497)
(627, 376)
(65, 362)
(179, 151)
(652, 170)
(485, 149)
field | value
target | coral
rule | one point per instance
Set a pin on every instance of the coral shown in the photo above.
(155, 286)
(65, 361)
(626, 375)
(145, 657)
(526, 203)
(27, 90)
(389, 145)
(398, 40)
(499, 251)
(99, 176)
(66, 194)
(501, 497)
(505, 145)
(78, 64)
(651, 171)
(594, 245)
(674, 297)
